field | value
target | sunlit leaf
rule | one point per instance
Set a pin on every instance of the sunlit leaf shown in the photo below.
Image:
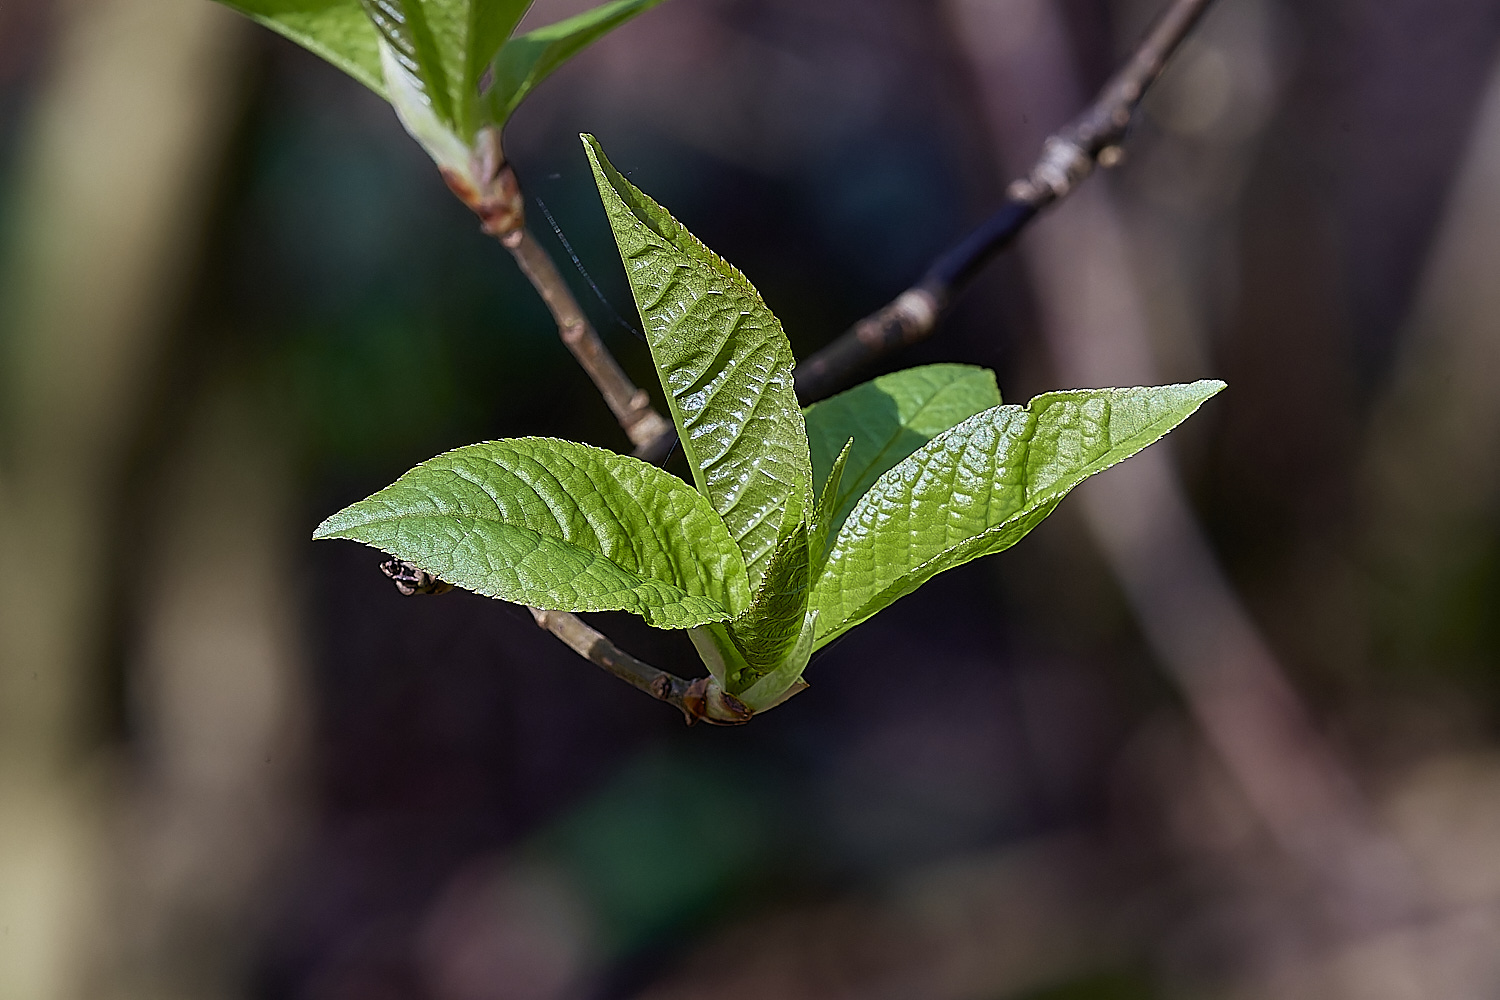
(724, 363)
(766, 631)
(561, 526)
(979, 487)
(889, 418)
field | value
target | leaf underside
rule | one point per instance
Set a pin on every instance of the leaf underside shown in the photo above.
(725, 365)
(888, 419)
(979, 487)
(558, 525)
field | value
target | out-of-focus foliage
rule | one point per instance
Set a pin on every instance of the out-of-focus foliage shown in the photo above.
(451, 67)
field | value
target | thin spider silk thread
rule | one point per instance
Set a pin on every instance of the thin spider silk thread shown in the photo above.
(557, 231)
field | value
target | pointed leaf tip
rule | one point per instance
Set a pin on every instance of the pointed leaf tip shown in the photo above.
(724, 363)
(980, 487)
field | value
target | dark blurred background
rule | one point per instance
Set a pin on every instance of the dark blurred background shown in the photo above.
(1224, 731)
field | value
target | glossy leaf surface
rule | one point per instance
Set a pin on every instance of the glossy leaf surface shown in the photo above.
(724, 363)
(561, 526)
(888, 419)
(979, 487)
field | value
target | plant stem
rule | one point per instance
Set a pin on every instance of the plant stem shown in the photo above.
(695, 699)
(1067, 158)
(630, 404)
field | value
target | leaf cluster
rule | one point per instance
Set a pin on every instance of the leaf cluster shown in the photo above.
(450, 67)
(799, 523)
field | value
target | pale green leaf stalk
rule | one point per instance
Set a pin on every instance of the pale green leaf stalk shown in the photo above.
(917, 472)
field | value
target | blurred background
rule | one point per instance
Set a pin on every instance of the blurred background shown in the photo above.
(1224, 726)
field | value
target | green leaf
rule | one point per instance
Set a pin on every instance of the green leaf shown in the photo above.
(724, 363)
(825, 519)
(444, 47)
(889, 418)
(337, 30)
(526, 60)
(766, 631)
(979, 487)
(561, 526)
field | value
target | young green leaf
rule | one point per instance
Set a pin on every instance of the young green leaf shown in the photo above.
(724, 363)
(766, 631)
(444, 47)
(561, 526)
(826, 523)
(337, 30)
(979, 487)
(888, 419)
(526, 60)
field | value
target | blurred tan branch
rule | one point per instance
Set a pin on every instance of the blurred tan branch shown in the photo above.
(113, 183)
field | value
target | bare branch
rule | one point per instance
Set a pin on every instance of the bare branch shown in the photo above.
(630, 404)
(699, 699)
(1068, 157)
(493, 192)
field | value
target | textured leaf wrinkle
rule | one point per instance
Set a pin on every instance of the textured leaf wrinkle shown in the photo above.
(725, 366)
(941, 473)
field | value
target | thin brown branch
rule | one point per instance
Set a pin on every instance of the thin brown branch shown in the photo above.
(630, 404)
(699, 699)
(493, 192)
(1067, 159)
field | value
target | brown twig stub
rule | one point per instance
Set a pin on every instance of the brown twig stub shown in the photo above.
(491, 190)
(630, 404)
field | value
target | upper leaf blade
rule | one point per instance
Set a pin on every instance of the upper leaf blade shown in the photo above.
(724, 363)
(889, 418)
(558, 525)
(979, 487)
(526, 60)
(336, 30)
